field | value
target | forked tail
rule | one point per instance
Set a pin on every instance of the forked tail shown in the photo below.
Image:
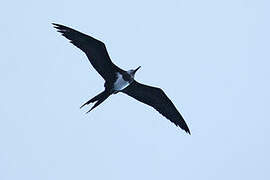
(99, 98)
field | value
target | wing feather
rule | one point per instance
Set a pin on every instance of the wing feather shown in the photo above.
(94, 49)
(156, 98)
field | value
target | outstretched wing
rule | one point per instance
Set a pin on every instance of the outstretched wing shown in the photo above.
(156, 98)
(93, 48)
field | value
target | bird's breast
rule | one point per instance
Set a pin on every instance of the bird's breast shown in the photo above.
(120, 83)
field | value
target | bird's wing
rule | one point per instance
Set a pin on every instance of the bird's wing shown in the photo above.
(93, 48)
(156, 98)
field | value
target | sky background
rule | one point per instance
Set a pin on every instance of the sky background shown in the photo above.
(210, 57)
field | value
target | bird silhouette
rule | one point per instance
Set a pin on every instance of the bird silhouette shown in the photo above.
(119, 80)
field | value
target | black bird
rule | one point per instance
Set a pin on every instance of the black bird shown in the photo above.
(118, 80)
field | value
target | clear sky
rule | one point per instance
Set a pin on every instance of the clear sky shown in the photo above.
(210, 57)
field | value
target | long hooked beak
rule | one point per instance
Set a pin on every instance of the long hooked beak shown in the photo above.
(137, 69)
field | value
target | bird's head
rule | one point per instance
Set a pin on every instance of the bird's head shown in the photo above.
(133, 71)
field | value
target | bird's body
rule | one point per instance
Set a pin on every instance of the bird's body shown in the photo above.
(121, 83)
(119, 80)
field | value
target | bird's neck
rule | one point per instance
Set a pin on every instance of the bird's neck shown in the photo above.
(122, 81)
(128, 76)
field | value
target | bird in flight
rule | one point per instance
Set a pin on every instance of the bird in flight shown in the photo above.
(119, 80)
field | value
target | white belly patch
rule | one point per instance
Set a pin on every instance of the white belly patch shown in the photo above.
(120, 83)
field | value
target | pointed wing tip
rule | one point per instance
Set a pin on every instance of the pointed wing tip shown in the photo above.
(55, 25)
(60, 28)
(185, 128)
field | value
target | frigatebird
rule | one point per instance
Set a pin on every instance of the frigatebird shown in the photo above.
(119, 80)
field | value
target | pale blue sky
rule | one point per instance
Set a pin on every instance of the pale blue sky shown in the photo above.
(210, 57)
